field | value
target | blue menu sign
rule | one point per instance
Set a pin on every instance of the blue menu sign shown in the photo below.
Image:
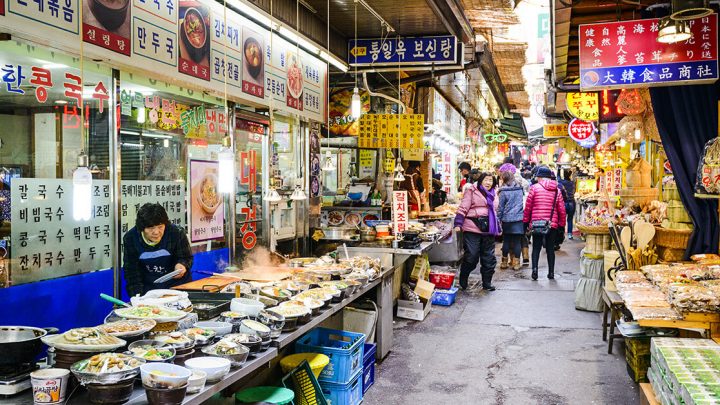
(441, 50)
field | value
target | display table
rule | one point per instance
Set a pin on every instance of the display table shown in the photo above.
(383, 286)
(613, 305)
(691, 320)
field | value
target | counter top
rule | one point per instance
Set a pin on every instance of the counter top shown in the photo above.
(424, 247)
(260, 360)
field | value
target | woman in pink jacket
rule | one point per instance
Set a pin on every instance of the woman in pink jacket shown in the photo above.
(477, 219)
(544, 203)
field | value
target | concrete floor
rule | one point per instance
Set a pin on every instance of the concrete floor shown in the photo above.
(522, 344)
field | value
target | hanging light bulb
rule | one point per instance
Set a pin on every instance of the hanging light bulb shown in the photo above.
(638, 134)
(273, 195)
(356, 104)
(672, 31)
(298, 194)
(399, 177)
(141, 115)
(621, 143)
(226, 168)
(82, 190)
(328, 164)
(399, 167)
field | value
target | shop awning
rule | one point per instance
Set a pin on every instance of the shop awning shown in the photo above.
(514, 126)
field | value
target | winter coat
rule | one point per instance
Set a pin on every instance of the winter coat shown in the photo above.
(520, 181)
(538, 205)
(473, 205)
(511, 204)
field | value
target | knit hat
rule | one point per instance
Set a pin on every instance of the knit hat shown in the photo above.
(545, 172)
(508, 167)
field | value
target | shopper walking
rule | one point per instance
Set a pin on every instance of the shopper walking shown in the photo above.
(569, 186)
(464, 169)
(544, 214)
(510, 215)
(476, 217)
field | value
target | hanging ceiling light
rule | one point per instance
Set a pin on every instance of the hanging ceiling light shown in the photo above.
(399, 176)
(141, 115)
(226, 168)
(272, 195)
(356, 104)
(621, 143)
(672, 31)
(298, 194)
(328, 165)
(638, 134)
(398, 166)
(82, 190)
(684, 10)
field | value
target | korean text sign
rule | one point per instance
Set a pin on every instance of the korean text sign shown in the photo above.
(404, 51)
(400, 212)
(627, 54)
(207, 211)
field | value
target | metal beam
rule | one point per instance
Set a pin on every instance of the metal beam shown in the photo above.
(450, 12)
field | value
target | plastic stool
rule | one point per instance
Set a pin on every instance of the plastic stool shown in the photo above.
(272, 395)
(316, 361)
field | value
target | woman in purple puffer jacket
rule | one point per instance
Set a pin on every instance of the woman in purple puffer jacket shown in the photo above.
(477, 219)
(538, 207)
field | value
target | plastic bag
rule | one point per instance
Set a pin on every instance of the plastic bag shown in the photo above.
(708, 171)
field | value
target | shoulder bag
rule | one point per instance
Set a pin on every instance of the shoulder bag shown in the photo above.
(541, 227)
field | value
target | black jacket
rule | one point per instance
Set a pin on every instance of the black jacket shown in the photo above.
(178, 246)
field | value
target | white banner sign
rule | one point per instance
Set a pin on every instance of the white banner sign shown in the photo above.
(400, 212)
(169, 194)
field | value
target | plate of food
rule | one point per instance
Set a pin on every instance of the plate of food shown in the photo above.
(352, 219)
(178, 340)
(253, 57)
(369, 217)
(194, 34)
(128, 327)
(200, 335)
(151, 350)
(106, 368)
(207, 194)
(158, 314)
(294, 76)
(336, 218)
(83, 340)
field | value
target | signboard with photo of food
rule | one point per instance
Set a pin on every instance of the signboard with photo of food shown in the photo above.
(106, 23)
(294, 81)
(253, 63)
(207, 212)
(194, 34)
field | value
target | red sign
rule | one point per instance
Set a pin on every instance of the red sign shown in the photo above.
(96, 35)
(627, 54)
(609, 111)
(580, 130)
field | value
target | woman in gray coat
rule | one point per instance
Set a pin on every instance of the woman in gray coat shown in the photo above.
(510, 214)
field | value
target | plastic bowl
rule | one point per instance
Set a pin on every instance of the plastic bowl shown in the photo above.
(196, 381)
(246, 305)
(164, 375)
(220, 328)
(215, 367)
(355, 196)
(237, 360)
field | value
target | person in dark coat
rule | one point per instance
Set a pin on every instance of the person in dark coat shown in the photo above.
(510, 214)
(569, 187)
(153, 248)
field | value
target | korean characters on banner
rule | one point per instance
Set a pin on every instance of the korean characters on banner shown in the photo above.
(207, 211)
(446, 170)
(404, 51)
(155, 26)
(226, 54)
(194, 33)
(106, 23)
(45, 240)
(400, 213)
(627, 54)
(58, 14)
(169, 194)
(582, 132)
(391, 131)
(583, 105)
(294, 78)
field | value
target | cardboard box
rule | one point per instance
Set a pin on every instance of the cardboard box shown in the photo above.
(417, 310)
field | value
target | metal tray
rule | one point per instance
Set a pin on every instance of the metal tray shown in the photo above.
(218, 302)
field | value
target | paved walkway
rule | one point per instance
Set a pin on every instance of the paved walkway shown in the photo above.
(522, 344)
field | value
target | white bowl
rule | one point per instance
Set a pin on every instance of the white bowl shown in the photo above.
(214, 367)
(196, 381)
(220, 328)
(246, 305)
(170, 375)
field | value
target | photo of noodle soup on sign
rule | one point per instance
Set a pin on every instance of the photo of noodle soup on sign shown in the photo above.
(206, 203)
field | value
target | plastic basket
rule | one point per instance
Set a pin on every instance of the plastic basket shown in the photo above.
(345, 350)
(442, 280)
(368, 378)
(344, 394)
(302, 381)
(444, 297)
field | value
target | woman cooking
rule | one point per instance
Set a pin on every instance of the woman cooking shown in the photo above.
(154, 248)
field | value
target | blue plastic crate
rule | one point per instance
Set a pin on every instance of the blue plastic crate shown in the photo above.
(344, 394)
(444, 297)
(345, 350)
(368, 378)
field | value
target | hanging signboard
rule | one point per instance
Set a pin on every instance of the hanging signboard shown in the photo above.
(391, 131)
(400, 212)
(627, 54)
(436, 50)
(583, 105)
(580, 131)
(207, 211)
(555, 131)
(446, 170)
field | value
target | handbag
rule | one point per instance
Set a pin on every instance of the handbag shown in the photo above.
(482, 223)
(541, 227)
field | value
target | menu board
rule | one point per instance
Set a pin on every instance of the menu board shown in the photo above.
(169, 194)
(193, 42)
(46, 242)
(391, 131)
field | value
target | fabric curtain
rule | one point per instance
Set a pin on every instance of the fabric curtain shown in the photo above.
(687, 117)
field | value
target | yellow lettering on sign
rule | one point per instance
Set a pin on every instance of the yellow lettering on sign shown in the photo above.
(359, 51)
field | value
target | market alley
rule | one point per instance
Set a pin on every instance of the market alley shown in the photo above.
(522, 344)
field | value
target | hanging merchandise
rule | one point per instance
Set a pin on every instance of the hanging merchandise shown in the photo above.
(708, 172)
(628, 126)
(631, 102)
(650, 128)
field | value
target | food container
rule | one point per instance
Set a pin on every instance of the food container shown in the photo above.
(49, 385)
(151, 351)
(178, 340)
(274, 321)
(215, 367)
(163, 375)
(301, 313)
(340, 233)
(99, 368)
(382, 231)
(196, 382)
(128, 327)
(367, 234)
(360, 278)
(252, 342)
(238, 352)
(181, 357)
(111, 394)
(312, 304)
(234, 318)
(252, 327)
(267, 301)
(301, 261)
(21, 344)
(246, 305)
(337, 295)
(220, 328)
(201, 336)
(165, 396)
(278, 294)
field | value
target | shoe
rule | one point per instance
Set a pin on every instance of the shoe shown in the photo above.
(489, 287)
(534, 274)
(515, 264)
(557, 248)
(526, 256)
(504, 262)
(570, 236)
(551, 275)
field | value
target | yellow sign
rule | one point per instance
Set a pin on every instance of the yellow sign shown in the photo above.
(413, 154)
(393, 131)
(585, 105)
(359, 51)
(555, 131)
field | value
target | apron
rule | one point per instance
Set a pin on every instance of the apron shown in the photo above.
(156, 263)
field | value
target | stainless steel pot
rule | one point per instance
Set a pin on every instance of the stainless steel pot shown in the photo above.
(340, 233)
(21, 344)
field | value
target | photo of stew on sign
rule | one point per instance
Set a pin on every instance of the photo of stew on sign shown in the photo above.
(194, 33)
